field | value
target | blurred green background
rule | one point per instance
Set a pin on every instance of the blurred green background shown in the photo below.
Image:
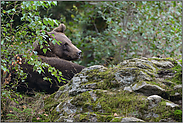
(106, 32)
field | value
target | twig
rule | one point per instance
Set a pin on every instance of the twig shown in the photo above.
(95, 27)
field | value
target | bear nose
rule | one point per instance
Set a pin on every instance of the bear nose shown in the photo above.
(79, 53)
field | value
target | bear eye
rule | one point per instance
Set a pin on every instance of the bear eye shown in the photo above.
(65, 46)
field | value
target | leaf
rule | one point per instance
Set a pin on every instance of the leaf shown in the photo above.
(54, 41)
(45, 78)
(16, 101)
(44, 50)
(54, 2)
(44, 5)
(60, 73)
(55, 22)
(100, 12)
(45, 21)
(4, 68)
(108, 20)
(54, 73)
(50, 69)
(41, 46)
(39, 71)
(20, 96)
(63, 78)
(34, 68)
(11, 20)
(72, 16)
(2, 42)
(51, 22)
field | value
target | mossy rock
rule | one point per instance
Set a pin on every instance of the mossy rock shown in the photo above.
(99, 94)
(116, 119)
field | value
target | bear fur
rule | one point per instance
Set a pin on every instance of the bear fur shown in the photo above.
(59, 55)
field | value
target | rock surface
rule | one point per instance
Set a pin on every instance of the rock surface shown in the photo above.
(154, 100)
(136, 90)
(148, 89)
(131, 119)
(171, 104)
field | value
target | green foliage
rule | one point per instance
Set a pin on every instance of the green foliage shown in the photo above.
(22, 108)
(18, 38)
(26, 114)
(114, 31)
(178, 115)
(21, 25)
(8, 94)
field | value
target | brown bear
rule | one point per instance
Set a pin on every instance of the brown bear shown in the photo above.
(59, 55)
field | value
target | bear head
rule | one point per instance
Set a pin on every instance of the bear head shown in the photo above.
(62, 48)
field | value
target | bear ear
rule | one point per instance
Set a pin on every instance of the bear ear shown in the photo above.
(60, 28)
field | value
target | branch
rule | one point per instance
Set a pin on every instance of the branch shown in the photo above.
(95, 27)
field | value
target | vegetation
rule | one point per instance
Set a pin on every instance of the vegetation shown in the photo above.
(106, 32)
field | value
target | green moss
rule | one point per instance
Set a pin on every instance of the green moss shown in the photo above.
(104, 118)
(62, 88)
(158, 84)
(90, 82)
(97, 73)
(83, 99)
(69, 83)
(50, 103)
(163, 111)
(105, 80)
(54, 115)
(83, 118)
(173, 91)
(148, 73)
(149, 82)
(108, 118)
(163, 103)
(93, 74)
(102, 85)
(116, 119)
(162, 59)
(178, 115)
(102, 113)
(177, 69)
(108, 84)
(122, 102)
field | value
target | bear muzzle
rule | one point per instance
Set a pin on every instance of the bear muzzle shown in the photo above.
(79, 54)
